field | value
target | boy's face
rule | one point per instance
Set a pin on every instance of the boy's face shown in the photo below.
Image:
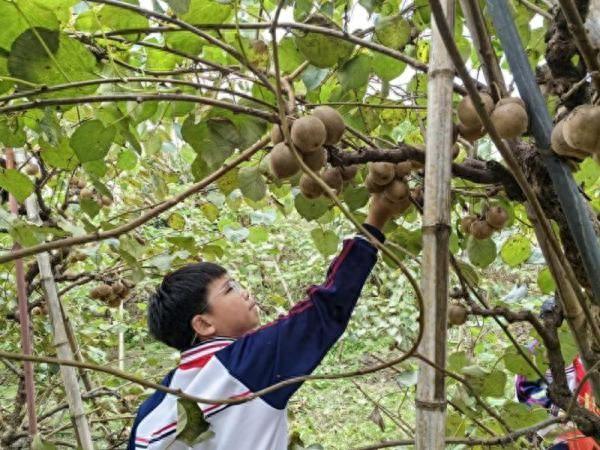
(233, 312)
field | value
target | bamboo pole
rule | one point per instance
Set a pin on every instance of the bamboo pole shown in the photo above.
(26, 338)
(121, 349)
(61, 341)
(431, 392)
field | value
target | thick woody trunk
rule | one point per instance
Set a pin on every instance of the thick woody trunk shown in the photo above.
(431, 393)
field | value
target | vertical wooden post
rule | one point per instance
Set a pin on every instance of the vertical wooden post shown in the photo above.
(61, 341)
(26, 338)
(431, 393)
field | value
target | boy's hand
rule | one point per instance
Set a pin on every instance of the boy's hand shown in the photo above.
(381, 210)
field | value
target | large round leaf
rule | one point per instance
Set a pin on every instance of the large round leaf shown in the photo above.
(482, 252)
(91, 140)
(516, 250)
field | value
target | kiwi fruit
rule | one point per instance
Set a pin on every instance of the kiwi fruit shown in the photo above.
(86, 193)
(333, 178)
(276, 134)
(496, 217)
(309, 187)
(113, 301)
(315, 160)
(507, 100)
(510, 120)
(371, 186)
(283, 162)
(457, 314)
(465, 223)
(118, 288)
(581, 129)
(333, 121)
(560, 146)
(106, 200)
(381, 205)
(348, 172)
(417, 165)
(308, 134)
(470, 134)
(382, 172)
(396, 191)
(101, 291)
(403, 169)
(480, 229)
(81, 183)
(468, 114)
(73, 181)
(36, 311)
(32, 169)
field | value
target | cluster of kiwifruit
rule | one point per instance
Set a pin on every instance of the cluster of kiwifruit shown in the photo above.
(112, 293)
(578, 135)
(386, 182)
(81, 191)
(482, 227)
(32, 170)
(509, 117)
(325, 126)
(457, 314)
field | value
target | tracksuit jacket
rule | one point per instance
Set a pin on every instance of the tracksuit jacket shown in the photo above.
(292, 345)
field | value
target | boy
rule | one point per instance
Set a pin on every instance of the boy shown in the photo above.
(203, 313)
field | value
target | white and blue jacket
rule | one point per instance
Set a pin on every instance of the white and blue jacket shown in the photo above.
(290, 346)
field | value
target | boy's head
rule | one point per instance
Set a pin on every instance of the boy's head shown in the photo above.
(200, 300)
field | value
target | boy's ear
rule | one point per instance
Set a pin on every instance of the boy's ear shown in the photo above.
(203, 326)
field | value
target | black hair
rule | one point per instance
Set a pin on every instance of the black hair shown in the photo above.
(180, 296)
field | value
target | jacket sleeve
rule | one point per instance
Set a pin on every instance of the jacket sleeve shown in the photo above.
(295, 343)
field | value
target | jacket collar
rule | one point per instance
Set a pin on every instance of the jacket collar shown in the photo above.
(215, 344)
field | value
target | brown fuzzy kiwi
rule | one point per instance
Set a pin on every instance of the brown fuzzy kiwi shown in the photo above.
(403, 169)
(333, 121)
(465, 223)
(470, 134)
(101, 291)
(32, 169)
(560, 146)
(382, 172)
(113, 301)
(396, 191)
(315, 160)
(496, 217)
(510, 120)
(348, 172)
(283, 162)
(36, 311)
(276, 134)
(73, 181)
(81, 183)
(308, 134)
(333, 178)
(106, 200)
(371, 186)
(86, 193)
(389, 208)
(309, 187)
(581, 129)
(468, 114)
(480, 229)
(457, 314)
(507, 100)
(118, 288)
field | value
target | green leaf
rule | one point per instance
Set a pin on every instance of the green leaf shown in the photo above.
(468, 272)
(12, 133)
(515, 363)
(252, 183)
(568, 347)
(457, 360)
(386, 67)
(519, 415)
(90, 207)
(258, 235)
(289, 56)
(60, 156)
(47, 57)
(326, 241)
(310, 209)
(179, 6)
(355, 73)
(356, 197)
(192, 427)
(176, 221)
(127, 160)
(207, 11)
(494, 384)
(91, 140)
(516, 250)
(545, 281)
(16, 184)
(393, 32)
(313, 76)
(482, 252)
(322, 51)
(17, 16)
(115, 18)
